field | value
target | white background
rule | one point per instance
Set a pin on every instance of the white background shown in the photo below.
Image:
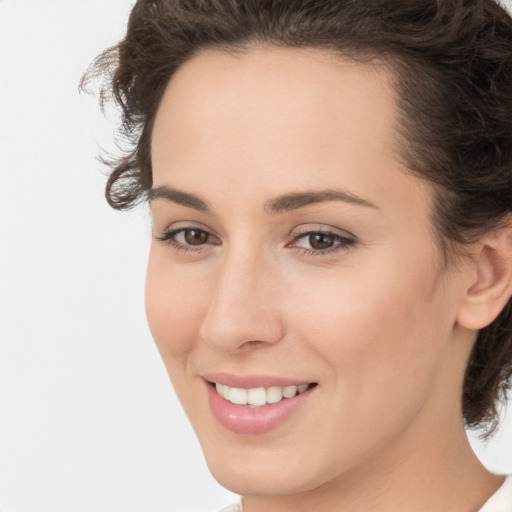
(88, 420)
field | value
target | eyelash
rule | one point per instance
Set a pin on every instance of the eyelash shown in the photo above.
(168, 238)
(341, 242)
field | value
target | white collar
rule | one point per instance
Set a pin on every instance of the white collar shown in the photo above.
(501, 500)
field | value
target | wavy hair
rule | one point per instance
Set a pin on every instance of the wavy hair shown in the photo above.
(452, 66)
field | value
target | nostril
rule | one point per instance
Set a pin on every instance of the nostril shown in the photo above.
(252, 343)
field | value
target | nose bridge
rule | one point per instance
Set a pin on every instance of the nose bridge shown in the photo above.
(243, 309)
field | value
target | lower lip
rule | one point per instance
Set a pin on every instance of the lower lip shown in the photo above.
(258, 420)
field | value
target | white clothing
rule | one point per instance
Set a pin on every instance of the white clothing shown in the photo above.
(500, 501)
(231, 508)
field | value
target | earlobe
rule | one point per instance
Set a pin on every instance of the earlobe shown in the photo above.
(491, 286)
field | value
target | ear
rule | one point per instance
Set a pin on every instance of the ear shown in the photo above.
(490, 284)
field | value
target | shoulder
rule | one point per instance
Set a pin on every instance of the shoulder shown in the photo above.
(232, 508)
(501, 500)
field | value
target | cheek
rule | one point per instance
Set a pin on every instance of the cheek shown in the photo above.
(174, 307)
(376, 330)
(381, 351)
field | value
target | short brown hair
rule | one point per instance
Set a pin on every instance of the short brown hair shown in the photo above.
(452, 63)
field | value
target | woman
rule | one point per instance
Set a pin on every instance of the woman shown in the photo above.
(330, 277)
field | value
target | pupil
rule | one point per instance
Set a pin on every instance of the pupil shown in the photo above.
(196, 236)
(321, 240)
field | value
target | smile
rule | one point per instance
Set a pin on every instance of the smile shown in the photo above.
(258, 397)
(255, 405)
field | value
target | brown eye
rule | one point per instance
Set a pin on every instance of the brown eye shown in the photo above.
(320, 241)
(189, 239)
(195, 236)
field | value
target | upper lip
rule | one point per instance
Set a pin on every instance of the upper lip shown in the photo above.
(252, 380)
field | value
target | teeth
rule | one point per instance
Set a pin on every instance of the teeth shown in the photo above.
(238, 396)
(289, 391)
(257, 397)
(221, 389)
(274, 394)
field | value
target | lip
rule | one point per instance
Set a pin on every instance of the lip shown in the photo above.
(253, 421)
(251, 381)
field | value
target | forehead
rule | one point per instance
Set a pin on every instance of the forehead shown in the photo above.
(257, 69)
(268, 121)
(271, 96)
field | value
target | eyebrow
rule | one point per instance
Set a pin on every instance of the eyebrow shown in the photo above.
(295, 200)
(179, 197)
(280, 204)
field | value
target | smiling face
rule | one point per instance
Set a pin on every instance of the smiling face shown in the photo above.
(292, 248)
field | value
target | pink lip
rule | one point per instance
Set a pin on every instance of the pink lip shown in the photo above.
(251, 381)
(251, 421)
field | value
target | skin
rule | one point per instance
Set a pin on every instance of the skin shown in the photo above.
(374, 320)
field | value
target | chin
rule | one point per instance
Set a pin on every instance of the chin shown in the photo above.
(278, 481)
(276, 474)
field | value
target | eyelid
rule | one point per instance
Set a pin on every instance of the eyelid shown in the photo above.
(184, 225)
(168, 237)
(321, 228)
(345, 240)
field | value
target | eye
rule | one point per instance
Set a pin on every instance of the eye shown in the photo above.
(192, 236)
(189, 239)
(321, 242)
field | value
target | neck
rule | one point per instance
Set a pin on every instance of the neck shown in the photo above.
(439, 475)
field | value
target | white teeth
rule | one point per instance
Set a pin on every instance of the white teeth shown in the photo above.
(289, 391)
(257, 397)
(274, 394)
(238, 396)
(222, 390)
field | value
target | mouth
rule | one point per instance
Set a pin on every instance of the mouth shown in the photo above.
(255, 405)
(261, 396)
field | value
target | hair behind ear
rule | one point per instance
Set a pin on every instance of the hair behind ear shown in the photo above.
(488, 308)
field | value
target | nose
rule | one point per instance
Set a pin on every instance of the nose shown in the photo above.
(244, 312)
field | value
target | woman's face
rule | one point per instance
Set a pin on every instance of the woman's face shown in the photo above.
(291, 248)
